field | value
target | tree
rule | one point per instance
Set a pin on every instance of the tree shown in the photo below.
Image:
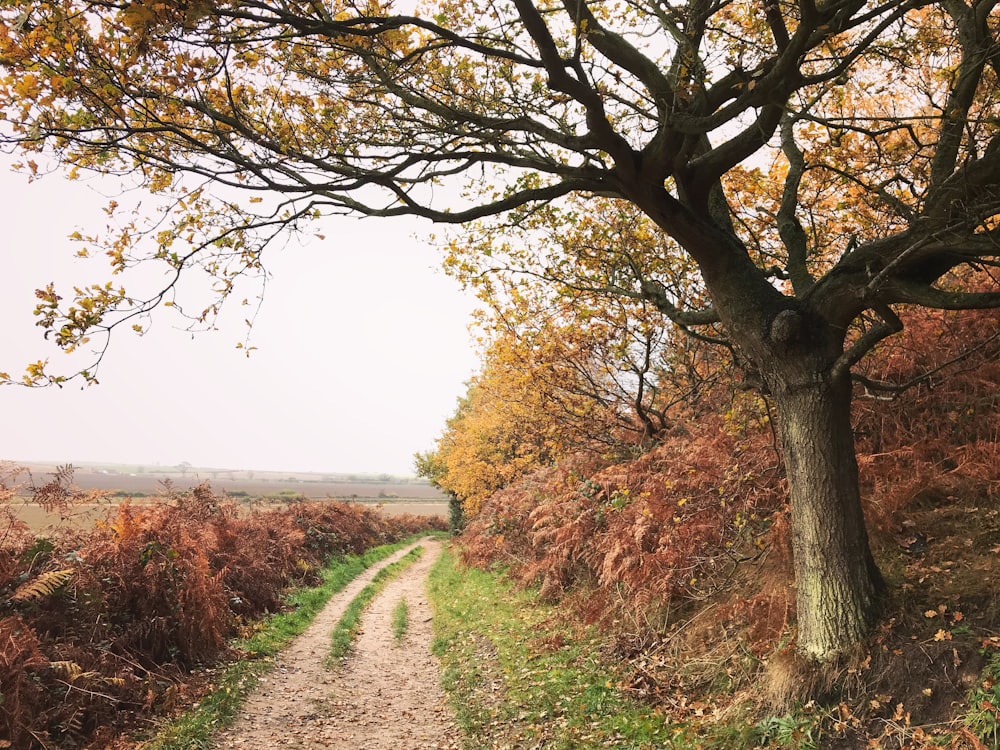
(870, 128)
(551, 283)
(502, 429)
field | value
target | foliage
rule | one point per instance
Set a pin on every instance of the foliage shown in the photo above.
(984, 716)
(103, 627)
(926, 680)
(503, 428)
(566, 372)
(498, 433)
(929, 458)
(43, 585)
(558, 312)
(590, 520)
(662, 111)
(456, 515)
(670, 524)
(946, 425)
(788, 731)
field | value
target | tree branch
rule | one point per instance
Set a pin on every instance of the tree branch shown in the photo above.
(789, 228)
(897, 388)
(890, 325)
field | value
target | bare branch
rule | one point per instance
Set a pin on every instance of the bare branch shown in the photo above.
(790, 229)
(891, 324)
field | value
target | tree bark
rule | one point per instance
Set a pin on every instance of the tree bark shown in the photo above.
(839, 587)
(793, 346)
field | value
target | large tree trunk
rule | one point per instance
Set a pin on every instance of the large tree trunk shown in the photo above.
(793, 347)
(838, 585)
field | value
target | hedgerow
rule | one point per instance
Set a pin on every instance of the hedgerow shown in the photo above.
(673, 525)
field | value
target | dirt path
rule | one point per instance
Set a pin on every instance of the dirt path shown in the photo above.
(386, 696)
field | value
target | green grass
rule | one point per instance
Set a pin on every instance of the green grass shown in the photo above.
(519, 674)
(400, 621)
(193, 729)
(983, 718)
(343, 635)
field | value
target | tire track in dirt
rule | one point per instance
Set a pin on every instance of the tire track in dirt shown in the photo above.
(385, 696)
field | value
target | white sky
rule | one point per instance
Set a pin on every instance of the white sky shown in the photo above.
(363, 349)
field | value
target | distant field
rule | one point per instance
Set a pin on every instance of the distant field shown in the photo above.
(146, 484)
(143, 480)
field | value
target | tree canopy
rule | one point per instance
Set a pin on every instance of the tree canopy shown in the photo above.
(878, 190)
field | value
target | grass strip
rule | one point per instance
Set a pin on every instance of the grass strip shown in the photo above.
(194, 728)
(343, 635)
(400, 621)
(521, 674)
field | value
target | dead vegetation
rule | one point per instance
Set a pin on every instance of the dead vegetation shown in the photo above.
(100, 630)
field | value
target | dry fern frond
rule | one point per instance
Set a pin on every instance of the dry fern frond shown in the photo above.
(69, 669)
(44, 585)
(73, 671)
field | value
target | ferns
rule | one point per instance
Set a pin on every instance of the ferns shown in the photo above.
(99, 627)
(644, 532)
(73, 672)
(69, 669)
(44, 585)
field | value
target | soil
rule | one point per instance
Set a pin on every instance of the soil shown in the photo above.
(385, 695)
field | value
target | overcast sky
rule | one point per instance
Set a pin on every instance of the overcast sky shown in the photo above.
(363, 350)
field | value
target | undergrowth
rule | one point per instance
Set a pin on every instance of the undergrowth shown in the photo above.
(681, 554)
(522, 672)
